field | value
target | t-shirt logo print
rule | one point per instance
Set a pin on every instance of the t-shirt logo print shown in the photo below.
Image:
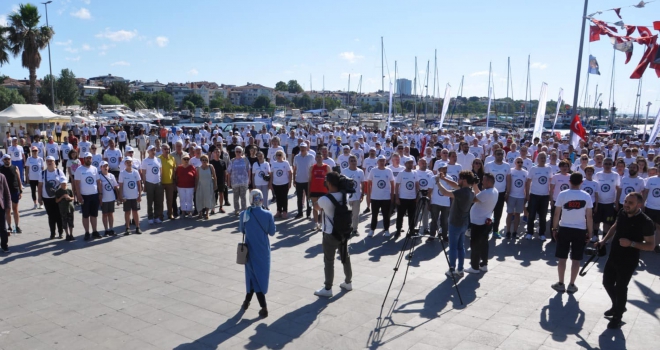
(381, 184)
(113, 160)
(279, 173)
(52, 150)
(629, 190)
(656, 192)
(589, 190)
(108, 187)
(498, 177)
(410, 185)
(15, 154)
(131, 184)
(563, 187)
(155, 170)
(423, 182)
(574, 205)
(344, 165)
(518, 183)
(89, 180)
(35, 168)
(605, 188)
(543, 180)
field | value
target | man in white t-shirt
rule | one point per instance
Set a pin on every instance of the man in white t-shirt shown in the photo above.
(607, 206)
(330, 243)
(380, 193)
(88, 190)
(113, 157)
(405, 197)
(151, 174)
(538, 195)
(515, 197)
(500, 171)
(573, 231)
(130, 193)
(484, 203)
(355, 199)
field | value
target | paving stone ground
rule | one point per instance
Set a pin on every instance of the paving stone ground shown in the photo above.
(177, 286)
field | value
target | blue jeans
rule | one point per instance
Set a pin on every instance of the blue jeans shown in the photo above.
(456, 247)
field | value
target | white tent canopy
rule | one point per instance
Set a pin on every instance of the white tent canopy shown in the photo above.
(18, 113)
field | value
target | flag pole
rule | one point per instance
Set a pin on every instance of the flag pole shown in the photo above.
(579, 62)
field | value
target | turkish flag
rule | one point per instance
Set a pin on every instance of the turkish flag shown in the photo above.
(630, 29)
(656, 25)
(644, 31)
(578, 129)
(594, 33)
(643, 64)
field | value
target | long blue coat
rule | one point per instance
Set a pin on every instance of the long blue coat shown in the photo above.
(257, 267)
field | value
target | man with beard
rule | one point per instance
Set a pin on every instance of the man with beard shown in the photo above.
(89, 192)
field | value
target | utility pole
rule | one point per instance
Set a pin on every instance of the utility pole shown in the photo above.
(576, 93)
(50, 66)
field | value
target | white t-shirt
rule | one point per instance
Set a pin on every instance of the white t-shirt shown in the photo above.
(16, 153)
(590, 187)
(540, 177)
(281, 171)
(108, 183)
(329, 211)
(259, 171)
(96, 160)
(129, 183)
(425, 179)
(630, 184)
(35, 166)
(368, 164)
(52, 180)
(84, 147)
(381, 184)
(396, 170)
(357, 176)
(482, 210)
(330, 162)
(607, 184)
(453, 171)
(406, 181)
(65, 148)
(561, 183)
(511, 158)
(653, 198)
(87, 177)
(499, 171)
(152, 169)
(574, 204)
(271, 152)
(518, 181)
(437, 197)
(114, 158)
(53, 150)
(121, 136)
(342, 160)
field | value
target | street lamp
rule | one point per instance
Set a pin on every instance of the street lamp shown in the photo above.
(50, 66)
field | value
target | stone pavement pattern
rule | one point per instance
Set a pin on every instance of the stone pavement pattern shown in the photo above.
(177, 286)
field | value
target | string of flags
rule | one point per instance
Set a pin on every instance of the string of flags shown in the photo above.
(624, 43)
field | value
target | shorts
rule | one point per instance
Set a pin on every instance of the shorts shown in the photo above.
(130, 205)
(108, 207)
(605, 214)
(653, 214)
(316, 195)
(90, 206)
(14, 196)
(573, 240)
(67, 221)
(515, 205)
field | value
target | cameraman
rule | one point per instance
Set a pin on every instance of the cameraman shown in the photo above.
(633, 231)
(330, 243)
(484, 204)
(573, 230)
(459, 213)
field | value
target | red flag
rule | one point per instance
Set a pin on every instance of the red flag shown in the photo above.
(628, 53)
(630, 29)
(656, 25)
(646, 59)
(578, 129)
(644, 31)
(594, 33)
(618, 12)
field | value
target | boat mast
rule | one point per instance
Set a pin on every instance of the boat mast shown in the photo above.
(323, 93)
(426, 95)
(638, 100)
(415, 92)
(610, 102)
(528, 94)
(435, 76)
(459, 93)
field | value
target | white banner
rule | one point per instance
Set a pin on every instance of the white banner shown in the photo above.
(656, 127)
(540, 112)
(445, 105)
(389, 118)
(559, 101)
(490, 98)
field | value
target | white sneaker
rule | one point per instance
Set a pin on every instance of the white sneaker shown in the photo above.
(484, 268)
(386, 233)
(542, 237)
(36, 206)
(41, 206)
(346, 286)
(151, 222)
(528, 236)
(158, 221)
(468, 233)
(370, 233)
(318, 227)
(471, 270)
(323, 292)
(460, 273)
(450, 273)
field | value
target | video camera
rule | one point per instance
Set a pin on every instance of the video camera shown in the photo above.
(424, 193)
(591, 251)
(346, 185)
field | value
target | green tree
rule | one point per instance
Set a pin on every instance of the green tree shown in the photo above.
(120, 90)
(219, 102)
(139, 100)
(92, 103)
(281, 86)
(4, 46)
(196, 99)
(27, 39)
(45, 92)
(293, 87)
(188, 105)
(162, 100)
(67, 88)
(261, 102)
(110, 100)
(280, 100)
(9, 96)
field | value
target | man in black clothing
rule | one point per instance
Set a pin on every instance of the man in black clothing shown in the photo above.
(633, 231)
(13, 177)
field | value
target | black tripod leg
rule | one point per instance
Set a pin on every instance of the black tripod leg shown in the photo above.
(396, 267)
(452, 275)
(410, 255)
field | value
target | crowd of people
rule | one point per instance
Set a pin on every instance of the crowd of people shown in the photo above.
(466, 177)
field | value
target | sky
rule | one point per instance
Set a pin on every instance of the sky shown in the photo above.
(235, 42)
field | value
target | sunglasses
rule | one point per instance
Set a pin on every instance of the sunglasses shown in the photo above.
(519, 162)
(204, 161)
(186, 159)
(278, 155)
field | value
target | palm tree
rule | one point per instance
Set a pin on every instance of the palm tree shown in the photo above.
(4, 46)
(27, 38)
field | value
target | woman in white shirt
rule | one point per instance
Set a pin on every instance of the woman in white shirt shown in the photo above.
(281, 183)
(262, 177)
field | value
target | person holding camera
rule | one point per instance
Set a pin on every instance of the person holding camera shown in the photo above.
(459, 213)
(331, 243)
(572, 231)
(484, 203)
(632, 231)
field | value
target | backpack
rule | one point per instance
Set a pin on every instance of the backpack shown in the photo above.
(342, 226)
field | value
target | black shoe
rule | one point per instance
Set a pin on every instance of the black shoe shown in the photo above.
(366, 211)
(60, 236)
(6, 250)
(430, 239)
(263, 313)
(657, 249)
(615, 323)
(138, 231)
(127, 232)
(514, 236)
(112, 233)
(52, 236)
(87, 236)
(195, 213)
(227, 205)
(508, 235)
(610, 312)
(299, 216)
(95, 234)
(18, 230)
(245, 305)
(397, 234)
(445, 239)
(106, 233)
(355, 234)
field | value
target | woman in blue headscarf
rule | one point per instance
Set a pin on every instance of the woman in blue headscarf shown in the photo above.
(257, 224)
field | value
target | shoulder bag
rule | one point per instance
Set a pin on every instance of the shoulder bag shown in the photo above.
(242, 249)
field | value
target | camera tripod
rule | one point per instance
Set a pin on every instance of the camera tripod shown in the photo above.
(423, 204)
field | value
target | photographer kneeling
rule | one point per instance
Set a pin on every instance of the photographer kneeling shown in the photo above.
(334, 231)
(633, 231)
(573, 231)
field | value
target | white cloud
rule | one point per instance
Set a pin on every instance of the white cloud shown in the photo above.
(86, 47)
(479, 73)
(102, 53)
(3, 20)
(87, 1)
(64, 43)
(162, 41)
(350, 56)
(75, 59)
(83, 13)
(120, 35)
(539, 65)
(70, 49)
(193, 71)
(120, 63)
(15, 8)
